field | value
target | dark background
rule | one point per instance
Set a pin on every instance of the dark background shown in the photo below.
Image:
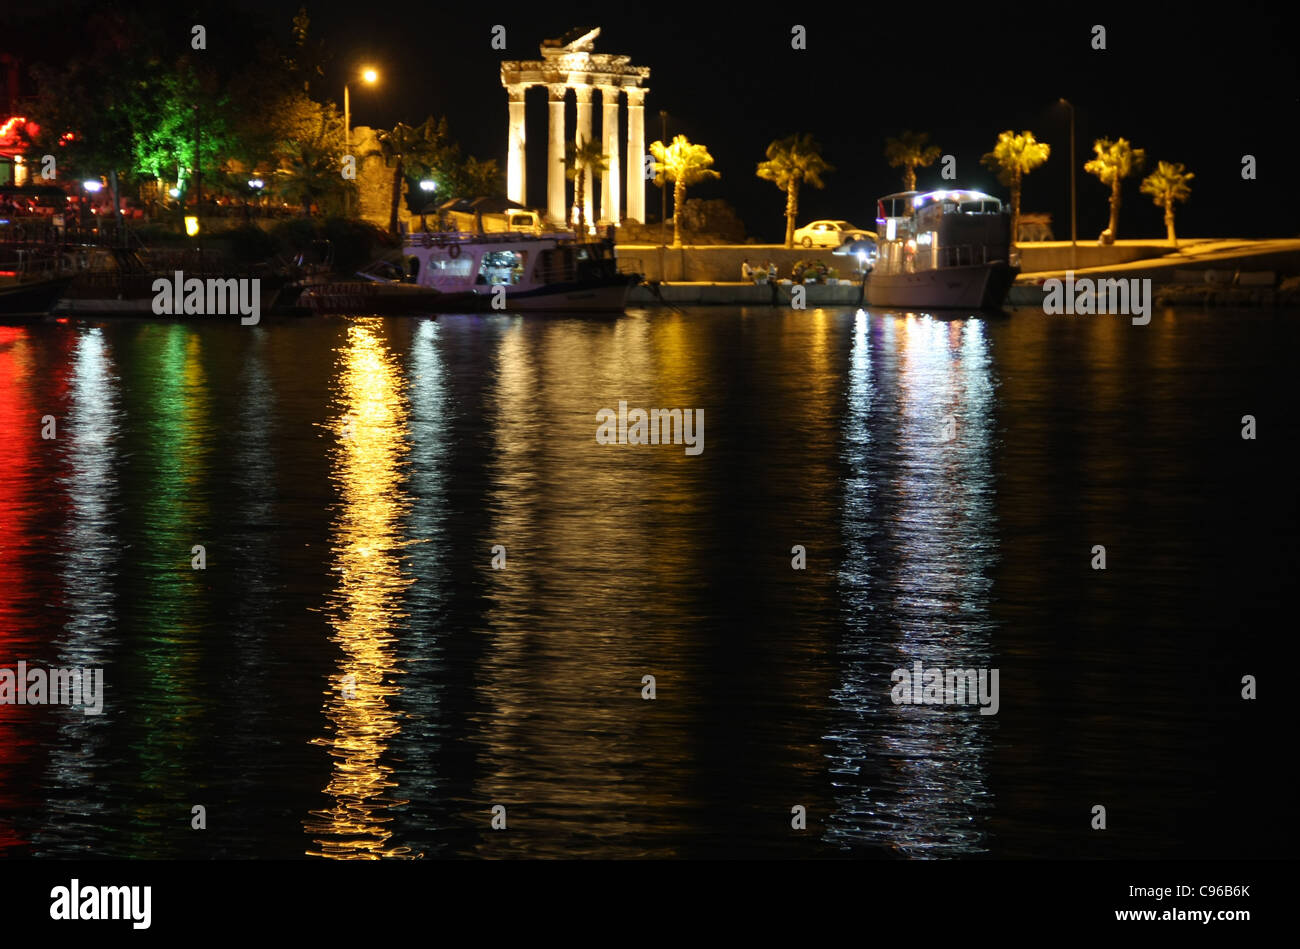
(1203, 90)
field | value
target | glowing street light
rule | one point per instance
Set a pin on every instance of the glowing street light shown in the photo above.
(257, 184)
(369, 76)
(174, 192)
(428, 185)
(93, 185)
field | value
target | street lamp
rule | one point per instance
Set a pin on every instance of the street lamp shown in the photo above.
(663, 187)
(428, 186)
(1074, 231)
(369, 76)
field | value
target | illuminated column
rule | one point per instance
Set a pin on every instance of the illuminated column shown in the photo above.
(555, 204)
(583, 133)
(609, 182)
(636, 155)
(516, 156)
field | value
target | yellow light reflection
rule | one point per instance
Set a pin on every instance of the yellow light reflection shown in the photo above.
(367, 541)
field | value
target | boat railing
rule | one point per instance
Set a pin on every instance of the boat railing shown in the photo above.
(33, 265)
(968, 255)
(447, 238)
(555, 274)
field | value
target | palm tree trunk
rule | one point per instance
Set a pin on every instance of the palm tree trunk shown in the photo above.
(791, 211)
(679, 198)
(1015, 210)
(1114, 209)
(909, 178)
(578, 195)
(1169, 221)
(397, 197)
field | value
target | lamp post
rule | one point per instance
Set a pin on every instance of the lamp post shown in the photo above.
(370, 77)
(1074, 231)
(428, 186)
(663, 187)
(89, 186)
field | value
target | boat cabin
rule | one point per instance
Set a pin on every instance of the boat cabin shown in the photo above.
(459, 263)
(935, 229)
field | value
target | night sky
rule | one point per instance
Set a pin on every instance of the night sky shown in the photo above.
(1204, 90)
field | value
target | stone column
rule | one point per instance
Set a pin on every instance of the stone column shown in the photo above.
(609, 182)
(583, 133)
(517, 154)
(635, 154)
(555, 204)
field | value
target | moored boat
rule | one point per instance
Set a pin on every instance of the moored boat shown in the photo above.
(30, 284)
(453, 272)
(941, 249)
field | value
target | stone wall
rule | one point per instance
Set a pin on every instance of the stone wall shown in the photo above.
(722, 263)
(1055, 255)
(374, 178)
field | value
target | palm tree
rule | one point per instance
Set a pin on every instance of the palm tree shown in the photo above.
(1115, 161)
(1013, 157)
(309, 165)
(792, 161)
(683, 164)
(309, 174)
(909, 151)
(581, 159)
(1167, 185)
(406, 144)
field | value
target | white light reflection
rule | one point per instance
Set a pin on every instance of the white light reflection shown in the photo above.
(918, 526)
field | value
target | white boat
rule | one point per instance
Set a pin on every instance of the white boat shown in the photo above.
(455, 272)
(941, 249)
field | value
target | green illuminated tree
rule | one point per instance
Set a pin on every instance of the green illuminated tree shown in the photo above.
(1167, 185)
(1115, 161)
(792, 162)
(580, 160)
(910, 151)
(684, 164)
(1013, 157)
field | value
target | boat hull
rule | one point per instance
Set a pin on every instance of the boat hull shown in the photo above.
(30, 297)
(403, 298)
(975, 287)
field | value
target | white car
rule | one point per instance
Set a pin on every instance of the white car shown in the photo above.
(830, 234)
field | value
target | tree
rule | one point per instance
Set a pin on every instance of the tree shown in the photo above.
(1013, 157)
(909, 151)
(1115, 161)
(1166, 185)
(310, 170)
(418, 145)
(684, 164)
(792, 162)
(580, 160)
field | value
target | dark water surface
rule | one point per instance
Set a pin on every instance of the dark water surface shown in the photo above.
(349, 677)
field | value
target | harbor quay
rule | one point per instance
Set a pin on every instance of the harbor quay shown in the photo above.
(1212, 271)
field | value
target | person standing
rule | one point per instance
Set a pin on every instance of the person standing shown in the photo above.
(746, 272)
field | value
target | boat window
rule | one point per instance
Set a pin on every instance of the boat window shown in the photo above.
(503, 266)
(446, 267)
